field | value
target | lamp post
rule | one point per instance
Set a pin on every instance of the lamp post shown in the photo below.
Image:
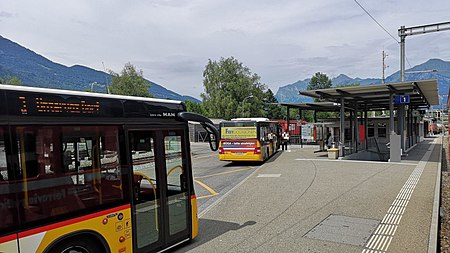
(92, 86)
(243, 102)
(247, 98)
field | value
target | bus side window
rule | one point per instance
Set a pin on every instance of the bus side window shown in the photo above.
(7, 212)
(26, 146)
(91, 156)
(3, 163)
(262, 134)
(45, 190)
(66, 169)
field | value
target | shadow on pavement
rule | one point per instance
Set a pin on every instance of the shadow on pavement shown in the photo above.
(274, 156)
(240, 164)
(210, 229)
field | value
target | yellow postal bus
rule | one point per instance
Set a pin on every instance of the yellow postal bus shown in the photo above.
(249, 139)
(89, 173)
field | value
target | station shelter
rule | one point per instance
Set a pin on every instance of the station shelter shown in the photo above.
(398, 129)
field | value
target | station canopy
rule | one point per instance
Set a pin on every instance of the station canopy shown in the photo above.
(423, 93)
(316, 106)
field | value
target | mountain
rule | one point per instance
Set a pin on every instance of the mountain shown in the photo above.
(289, 93)
(431, 69)
(343, 80)
(35, 70)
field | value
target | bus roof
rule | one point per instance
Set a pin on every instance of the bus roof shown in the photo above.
(82, 93)
(250, 119)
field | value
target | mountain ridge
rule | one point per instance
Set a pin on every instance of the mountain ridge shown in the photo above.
(36, 70)
(431, 69)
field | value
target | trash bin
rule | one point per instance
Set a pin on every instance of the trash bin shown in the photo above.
(333, 153)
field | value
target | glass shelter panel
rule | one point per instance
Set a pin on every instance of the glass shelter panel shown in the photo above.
(382, 130)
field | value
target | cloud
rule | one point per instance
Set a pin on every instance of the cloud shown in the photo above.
(4, 14)
(172, 40)
(176, 65)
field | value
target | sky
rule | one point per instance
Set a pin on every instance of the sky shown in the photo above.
(282, 41)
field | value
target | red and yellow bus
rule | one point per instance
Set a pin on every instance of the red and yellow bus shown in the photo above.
(249, 139)
(86, 172)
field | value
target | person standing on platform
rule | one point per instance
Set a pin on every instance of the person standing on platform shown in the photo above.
(329, 141)
(285, 137)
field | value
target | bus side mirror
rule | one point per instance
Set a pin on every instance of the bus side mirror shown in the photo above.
(213, 135)
(207, 124)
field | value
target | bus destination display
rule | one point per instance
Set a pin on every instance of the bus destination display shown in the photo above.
(46, 106)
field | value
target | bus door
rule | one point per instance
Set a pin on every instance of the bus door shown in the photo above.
(161, 209)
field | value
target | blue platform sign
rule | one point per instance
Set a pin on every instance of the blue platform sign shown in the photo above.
(401, 99)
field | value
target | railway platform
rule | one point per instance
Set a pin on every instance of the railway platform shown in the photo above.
(301, 201)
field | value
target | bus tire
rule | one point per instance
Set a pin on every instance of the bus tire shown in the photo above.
(78, 244)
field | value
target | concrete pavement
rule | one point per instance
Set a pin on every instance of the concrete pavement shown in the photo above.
(300, 201)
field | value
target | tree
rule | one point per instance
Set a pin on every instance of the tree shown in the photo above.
(129, 82)
(319, 81)
(232, 90)
(10, 80)
(273, 110)
(194, 107)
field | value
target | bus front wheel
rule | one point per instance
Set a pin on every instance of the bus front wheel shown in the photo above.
(77, 245)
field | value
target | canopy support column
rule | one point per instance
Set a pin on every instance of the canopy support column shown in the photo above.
(356, 131)
(391, 113)
(352, 132)
(366, 129)
(401, 118)
(301, 121)
(342, 130)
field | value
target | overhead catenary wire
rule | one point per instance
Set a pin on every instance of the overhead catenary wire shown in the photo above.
(378, 23)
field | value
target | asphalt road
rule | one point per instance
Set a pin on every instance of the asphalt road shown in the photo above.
(214, 178)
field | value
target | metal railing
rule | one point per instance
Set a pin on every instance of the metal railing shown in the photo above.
(380, 148)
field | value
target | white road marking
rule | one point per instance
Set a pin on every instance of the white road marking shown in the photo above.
(269, 175)
(353, 161)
